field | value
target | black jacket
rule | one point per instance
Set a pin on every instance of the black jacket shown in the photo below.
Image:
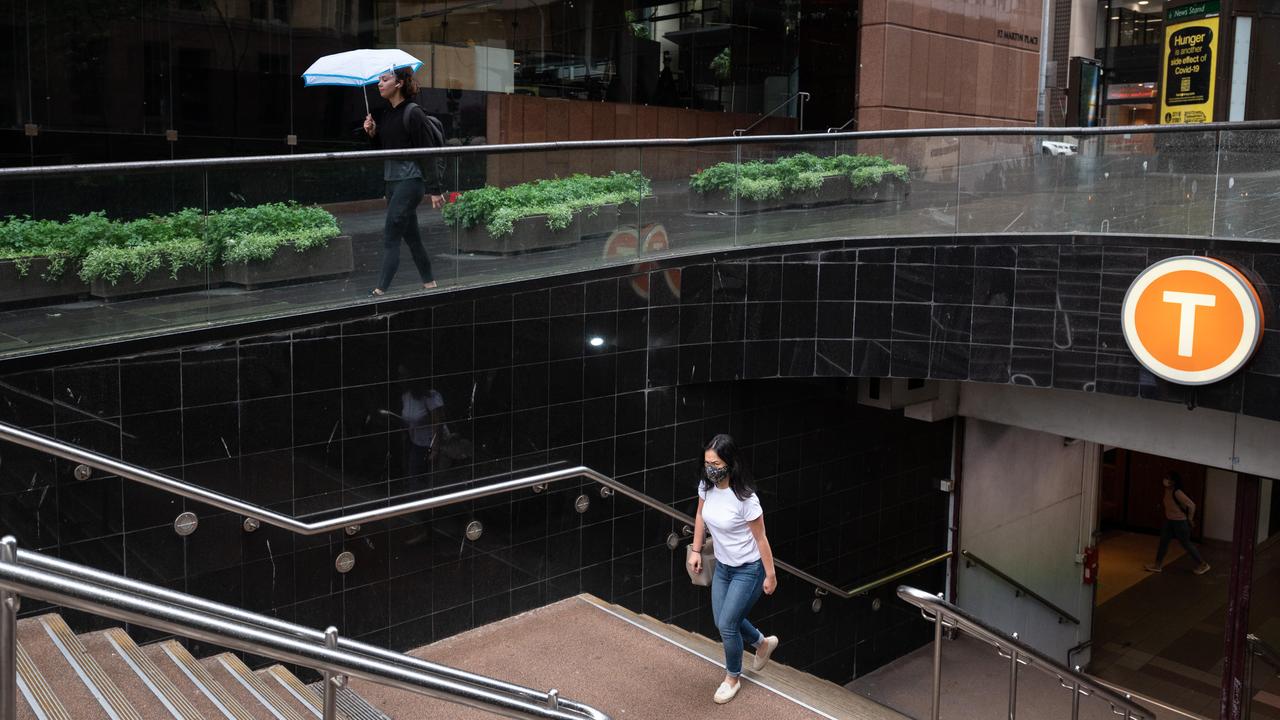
(396, 132)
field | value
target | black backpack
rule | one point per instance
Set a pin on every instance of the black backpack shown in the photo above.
(434, 127)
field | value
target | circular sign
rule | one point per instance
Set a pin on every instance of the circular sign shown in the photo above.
(1192, 320)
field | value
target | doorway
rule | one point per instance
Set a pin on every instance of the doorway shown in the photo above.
(1160, 634)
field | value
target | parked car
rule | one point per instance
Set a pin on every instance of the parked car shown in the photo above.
(1054, 147)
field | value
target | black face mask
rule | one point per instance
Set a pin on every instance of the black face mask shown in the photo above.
(715, 474)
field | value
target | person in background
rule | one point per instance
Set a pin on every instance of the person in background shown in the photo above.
(1179, 518)
(730, 509)
(405, 125)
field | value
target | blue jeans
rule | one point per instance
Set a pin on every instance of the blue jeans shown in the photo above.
(1180, 529)
(403, 197)
(734, 591)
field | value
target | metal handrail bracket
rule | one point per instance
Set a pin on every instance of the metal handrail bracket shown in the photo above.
(153, 610)
(1023, 589)
(1019, 653)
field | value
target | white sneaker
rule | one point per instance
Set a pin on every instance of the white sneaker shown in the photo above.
(725, 692)
(766, 648)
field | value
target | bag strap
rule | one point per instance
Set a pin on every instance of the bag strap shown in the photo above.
(434, 128)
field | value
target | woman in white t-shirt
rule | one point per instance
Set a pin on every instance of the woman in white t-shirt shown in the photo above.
(730, 509)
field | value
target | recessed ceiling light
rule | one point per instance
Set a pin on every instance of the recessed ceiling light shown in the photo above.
(1143, 2)
(596, 341)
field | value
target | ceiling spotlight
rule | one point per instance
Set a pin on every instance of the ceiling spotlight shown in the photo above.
(596, 341)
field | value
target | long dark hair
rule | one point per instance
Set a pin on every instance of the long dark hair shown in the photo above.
(1175, 481)
(740, 479)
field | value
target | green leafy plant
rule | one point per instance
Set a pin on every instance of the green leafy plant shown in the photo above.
(803, 172)
(559, 199)
(109, 250)
(638, 26)
(111, 263)
(722, 64)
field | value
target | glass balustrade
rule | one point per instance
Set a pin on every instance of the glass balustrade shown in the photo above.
(96, 253)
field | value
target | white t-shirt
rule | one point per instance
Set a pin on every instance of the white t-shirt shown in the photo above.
(726, 517)
(416, 411)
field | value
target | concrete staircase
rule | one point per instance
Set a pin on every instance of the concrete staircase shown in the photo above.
(626, 664)
(105, 674)
(822, 696)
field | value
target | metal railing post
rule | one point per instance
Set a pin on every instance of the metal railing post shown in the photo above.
(1075, 701)
(331, 680)
(1246, 696)
(1013, 680)
(935, 709)
(8, 639)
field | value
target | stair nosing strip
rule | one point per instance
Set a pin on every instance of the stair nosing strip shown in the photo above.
(31, 701)
(81, 672)
(133, 665)
(691, 651)
(235, 675)
(207, 690)
(306, 703)
(41, 688)
(350, 703)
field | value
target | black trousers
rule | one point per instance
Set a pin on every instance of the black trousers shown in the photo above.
(403, 197)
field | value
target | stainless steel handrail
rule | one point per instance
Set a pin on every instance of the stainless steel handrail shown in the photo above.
(36, 441)
(1256, 647)
(1264, 651)
(804, 98)
(23, 579)
(1019, 587)
(868, 587)
(579, 145)
(199, 604)
(944, 614)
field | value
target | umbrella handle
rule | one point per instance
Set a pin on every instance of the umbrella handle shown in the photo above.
(364, 93)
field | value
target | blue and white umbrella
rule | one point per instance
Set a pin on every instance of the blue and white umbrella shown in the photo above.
(358, 68)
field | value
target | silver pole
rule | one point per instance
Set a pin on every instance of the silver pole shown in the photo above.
(1075, 701)
(330, 678)
(1013, 680)
(8, 639)
(936, 708)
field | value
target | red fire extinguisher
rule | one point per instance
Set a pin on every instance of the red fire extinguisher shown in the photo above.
(1091, 565)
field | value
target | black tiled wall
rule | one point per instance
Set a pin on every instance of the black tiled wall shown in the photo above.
(307, 421)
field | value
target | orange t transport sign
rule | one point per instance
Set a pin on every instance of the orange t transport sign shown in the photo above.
(1192, 320)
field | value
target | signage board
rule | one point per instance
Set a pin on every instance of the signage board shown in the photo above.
(1192, 320)
(1190, 57)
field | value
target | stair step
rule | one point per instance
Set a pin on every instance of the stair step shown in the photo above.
(148, 689)
(350, 703)
(288, 686)
(78, 681)
(194, 682)
(38, 699)
(821, 695)
(250, 690)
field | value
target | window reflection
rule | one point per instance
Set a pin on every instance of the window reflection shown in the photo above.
(219, 70)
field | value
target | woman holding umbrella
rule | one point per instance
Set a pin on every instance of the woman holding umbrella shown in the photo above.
(405, 126)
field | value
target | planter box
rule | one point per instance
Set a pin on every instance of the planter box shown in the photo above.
(332, 260)
(532, 233)
(835, 190)
(31, 288)
(887, 190)
(157, 281)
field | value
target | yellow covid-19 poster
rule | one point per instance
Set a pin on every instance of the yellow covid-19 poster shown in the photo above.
(1190, 58)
